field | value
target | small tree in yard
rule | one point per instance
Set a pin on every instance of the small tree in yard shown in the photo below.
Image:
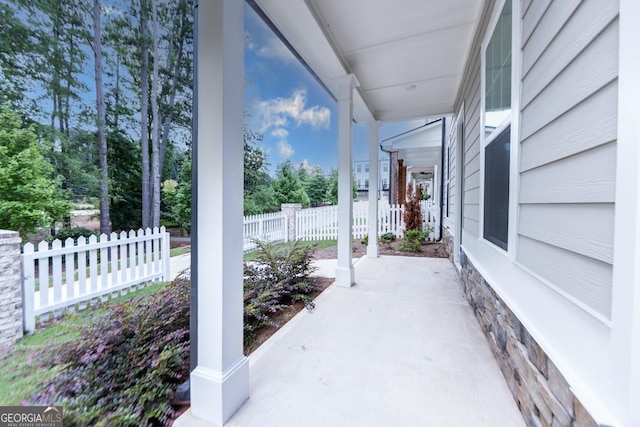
(412, 211)
(413, 235)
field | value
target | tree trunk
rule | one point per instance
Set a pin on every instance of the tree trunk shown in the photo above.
(155, 134)
(105, 227)
(144, 116)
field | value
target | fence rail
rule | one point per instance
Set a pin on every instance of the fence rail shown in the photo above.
(322, 223)
(66, 275)
(271, 227)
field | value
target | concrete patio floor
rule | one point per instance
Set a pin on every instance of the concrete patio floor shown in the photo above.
(400, 348)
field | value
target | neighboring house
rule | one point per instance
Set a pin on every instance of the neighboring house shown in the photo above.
(415, 158)
(543, 178)
(361, 175)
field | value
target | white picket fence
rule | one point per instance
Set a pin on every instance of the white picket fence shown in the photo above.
(270, 227)
(93, 268)
(322, 223)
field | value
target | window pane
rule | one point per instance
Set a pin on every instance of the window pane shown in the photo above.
(496, 189)
(498, 73)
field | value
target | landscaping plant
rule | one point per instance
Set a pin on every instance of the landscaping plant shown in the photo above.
(412, 241)
(124, 367)
(387, 238)
(278, 277)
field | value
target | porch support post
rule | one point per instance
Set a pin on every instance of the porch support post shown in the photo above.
(393, 185)
(220, 381)
(372, 247)
(345, 86)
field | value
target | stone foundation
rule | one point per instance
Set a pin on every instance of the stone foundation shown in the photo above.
(447, 239)
(541, 392)
(10, 288)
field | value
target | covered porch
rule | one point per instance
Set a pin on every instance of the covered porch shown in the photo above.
(401, 347)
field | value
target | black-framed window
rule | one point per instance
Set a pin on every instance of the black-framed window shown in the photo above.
(496, 189)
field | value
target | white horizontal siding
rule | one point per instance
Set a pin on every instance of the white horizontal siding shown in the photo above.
(568, 147)
(587, 177)
(583, 278)
(552, 20)
(593, 69)
(589, 124)
(575, 36)
(586, 229)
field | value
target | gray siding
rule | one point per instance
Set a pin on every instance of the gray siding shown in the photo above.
(470, 95)
(568, 146)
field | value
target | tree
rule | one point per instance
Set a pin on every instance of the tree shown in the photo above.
(96, 45)
(332, 188)
(412, 211)
(181, 209)
(287, 186)
(316, 186)
(30, 196)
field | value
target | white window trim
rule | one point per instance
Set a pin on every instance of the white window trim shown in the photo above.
(514, 150)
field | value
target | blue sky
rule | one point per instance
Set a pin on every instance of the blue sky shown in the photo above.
(296, 116)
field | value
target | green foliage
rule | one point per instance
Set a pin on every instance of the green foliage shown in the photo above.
(287, 186)
(412, 210)
(255, 163)
(263, 200)
(387, 238)
(124, 367)
(412, 241)
(73, 232)
(30, 196)
(332, 188)
(365, 240)
(316, 186)
(125, 177)
(181, 210)
(279, 277)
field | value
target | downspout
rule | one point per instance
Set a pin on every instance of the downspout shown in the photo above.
(442, 175)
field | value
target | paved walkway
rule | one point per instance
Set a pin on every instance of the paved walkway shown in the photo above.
(400, 348)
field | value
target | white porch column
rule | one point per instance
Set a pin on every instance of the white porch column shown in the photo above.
(220, 381)
(345, 86)
(372, 247)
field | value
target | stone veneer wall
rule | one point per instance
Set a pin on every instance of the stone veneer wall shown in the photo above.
(10, 288)
(541, 392)
(447, 239)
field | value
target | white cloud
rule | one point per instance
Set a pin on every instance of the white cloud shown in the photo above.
(286, 150)
(280, 133)
(274, 48)
(278, 112)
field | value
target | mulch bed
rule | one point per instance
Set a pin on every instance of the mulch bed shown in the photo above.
(282, 317)
(429, 250)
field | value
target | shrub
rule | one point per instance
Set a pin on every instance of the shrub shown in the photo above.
(387, 238)
(74, 232)
(365, 240)
(412, 240)
(125, 366)
(279, 276)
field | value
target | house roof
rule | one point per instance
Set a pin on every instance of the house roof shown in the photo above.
(419, 147)
(407, 55)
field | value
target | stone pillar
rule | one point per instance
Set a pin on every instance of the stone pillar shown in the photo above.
(290, 212)
(393, 185)
(372, 246)
(10, 288)
(220, 381)
(345, 86)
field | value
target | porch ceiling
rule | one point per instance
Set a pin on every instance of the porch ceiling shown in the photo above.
(408, 55)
